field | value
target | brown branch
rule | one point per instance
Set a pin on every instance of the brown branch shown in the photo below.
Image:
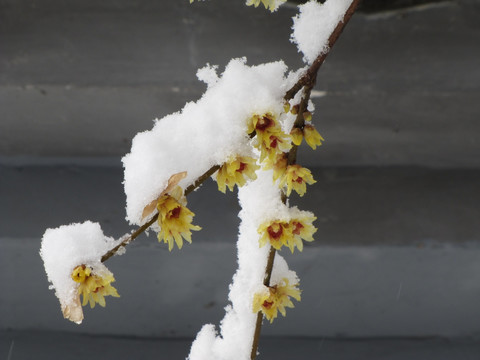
(256, 335)
(266, 282)
(201, 179)
(128, 239)
(310, 75)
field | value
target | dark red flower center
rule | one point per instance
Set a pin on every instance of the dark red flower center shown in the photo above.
(267, 304)
(297, 228)
(275, 234)
(274, 142)
(242, 167)
(299, 180)
(175, 213)
(263, 123)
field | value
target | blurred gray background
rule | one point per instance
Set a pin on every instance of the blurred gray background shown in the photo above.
(394, 272)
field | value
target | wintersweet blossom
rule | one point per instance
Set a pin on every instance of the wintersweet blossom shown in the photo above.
(311, 135)
(276, 298)
(235, 172)
(271, 5)
(297, 136)
(307, 115)
(93, 287)
(295, 178)
(280, 233)
(302, 229)
(279, 165)
(277, 233)
(175, 219)
(270, 138)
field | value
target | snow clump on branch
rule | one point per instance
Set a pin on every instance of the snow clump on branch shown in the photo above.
(204, 133)
(314, 24)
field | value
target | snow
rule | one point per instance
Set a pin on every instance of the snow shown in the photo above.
(68, 246)
(314, 24)
(260, 201)
(208, 74)
(203, 133)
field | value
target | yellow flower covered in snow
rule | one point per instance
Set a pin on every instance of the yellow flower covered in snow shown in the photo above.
(311, 135)
(269, 4)
(175, 219)
(276, 298)
(93, 287)
(295, 178)
(277, 233)
(235, 171)
(270, 138)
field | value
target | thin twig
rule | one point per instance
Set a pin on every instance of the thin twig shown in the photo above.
(266, 282)
(311, 73)
(128, 239)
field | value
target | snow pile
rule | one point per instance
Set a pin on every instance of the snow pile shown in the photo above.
(260, 200)
(65, 248)
(204, 133)
(314, 24)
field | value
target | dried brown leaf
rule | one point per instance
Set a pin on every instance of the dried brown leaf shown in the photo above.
(73, 311)
(172, 182)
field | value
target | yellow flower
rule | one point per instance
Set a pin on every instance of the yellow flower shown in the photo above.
(234, 172)
(289, 233)
(307, 115)
(302, 229)
(270, 138)
(279, 166)
(277, 233)
(269, 4)
(295, 178)
(312, 137)
(276, 144)
(276, 298)
(93, 287)
(297, 136)
(175, 219)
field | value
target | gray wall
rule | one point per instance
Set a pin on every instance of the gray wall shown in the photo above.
(397, 195)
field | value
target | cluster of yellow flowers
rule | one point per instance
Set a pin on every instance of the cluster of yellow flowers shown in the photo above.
(175, 219)
(270, 139)
(280, 233)
(93, 287)
(273, 144)
(276, 298)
